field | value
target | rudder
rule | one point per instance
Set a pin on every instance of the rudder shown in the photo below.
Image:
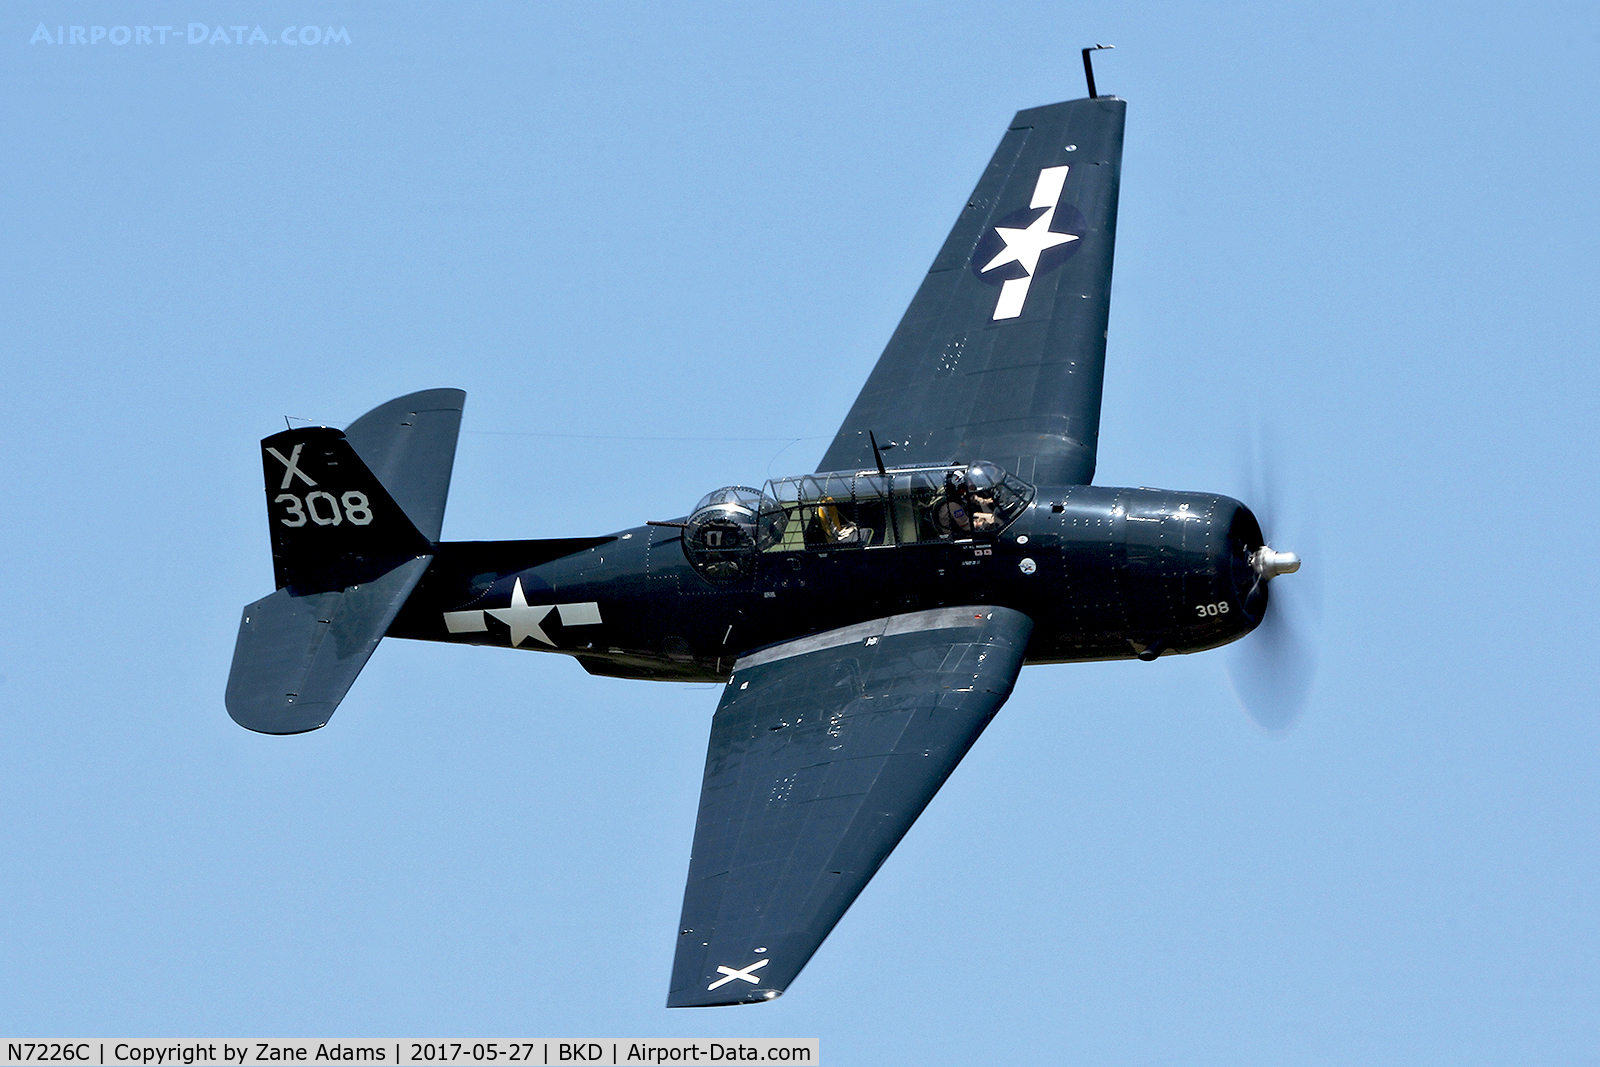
(409, 444)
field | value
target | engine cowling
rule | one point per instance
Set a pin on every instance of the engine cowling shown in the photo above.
(1189, 559)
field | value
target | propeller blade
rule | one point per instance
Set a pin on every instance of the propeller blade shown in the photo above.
(1271, 669)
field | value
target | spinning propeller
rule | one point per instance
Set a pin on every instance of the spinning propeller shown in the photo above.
(1271, 669)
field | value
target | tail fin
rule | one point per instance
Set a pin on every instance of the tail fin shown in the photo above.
(410, 445)
(345, 553)
(333, 523)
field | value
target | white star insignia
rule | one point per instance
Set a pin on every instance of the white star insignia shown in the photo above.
(1025, 246)
(523, 620)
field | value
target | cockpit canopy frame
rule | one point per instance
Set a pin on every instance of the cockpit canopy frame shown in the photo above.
(903, 505)
(730, 528)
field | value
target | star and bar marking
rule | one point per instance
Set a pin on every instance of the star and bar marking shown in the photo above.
(525, 620)
(1024, 245)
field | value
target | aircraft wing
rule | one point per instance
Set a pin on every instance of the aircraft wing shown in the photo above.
(824, 750)
(1002, 352)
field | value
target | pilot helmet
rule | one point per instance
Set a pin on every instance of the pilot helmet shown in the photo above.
(982, 478)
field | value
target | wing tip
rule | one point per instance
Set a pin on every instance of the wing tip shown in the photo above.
(279, 717)
(693, 998)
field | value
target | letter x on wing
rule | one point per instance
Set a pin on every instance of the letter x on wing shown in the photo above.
(743, 974)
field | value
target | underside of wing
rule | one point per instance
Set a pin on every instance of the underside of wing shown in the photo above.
(1001, 355)
(823, 752)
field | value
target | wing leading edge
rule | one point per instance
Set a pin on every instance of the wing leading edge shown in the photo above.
(1002, 352)
(823, 752)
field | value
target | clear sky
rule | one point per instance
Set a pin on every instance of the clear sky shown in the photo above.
(661, 246)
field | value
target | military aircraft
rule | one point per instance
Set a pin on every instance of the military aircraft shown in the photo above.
(867, 620)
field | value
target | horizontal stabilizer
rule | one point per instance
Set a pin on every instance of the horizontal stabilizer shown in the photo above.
(297, 656)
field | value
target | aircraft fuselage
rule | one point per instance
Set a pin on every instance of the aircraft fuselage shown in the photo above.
(1105, 573)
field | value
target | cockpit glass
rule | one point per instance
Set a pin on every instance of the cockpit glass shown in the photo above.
(847, 510)
(721, 534)
(734, 494)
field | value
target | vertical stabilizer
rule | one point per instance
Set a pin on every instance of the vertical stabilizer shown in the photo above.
(409, 444)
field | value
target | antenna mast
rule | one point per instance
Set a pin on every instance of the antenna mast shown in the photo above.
(1088, 67)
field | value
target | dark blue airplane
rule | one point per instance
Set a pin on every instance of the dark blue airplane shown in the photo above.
(868, 620)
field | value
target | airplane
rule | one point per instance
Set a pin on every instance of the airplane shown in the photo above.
(866, 621)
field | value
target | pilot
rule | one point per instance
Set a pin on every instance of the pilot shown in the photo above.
(968, 506)
(839, 530)
(983, 481)
(952, 515)
(980, 503)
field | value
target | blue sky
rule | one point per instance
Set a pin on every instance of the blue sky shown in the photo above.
(661, 246)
